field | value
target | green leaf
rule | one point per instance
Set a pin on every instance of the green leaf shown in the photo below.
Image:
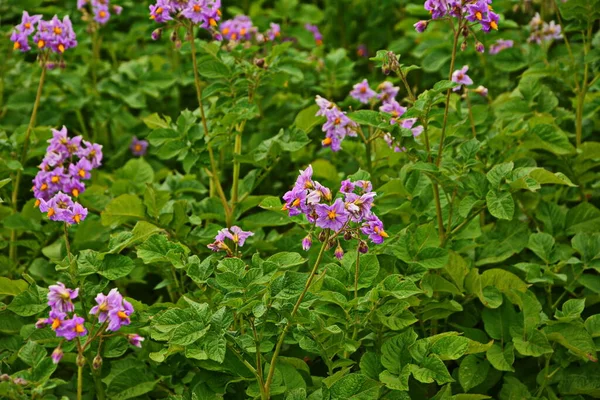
(472, 372)
(30, 302)
(432, 369)
(155, 200)
(368, 268)
(513, 389)
(500, 359)
(582, 218)
(548, 137)
(574, 337)
(287, 260)
(160, 249)
(588, 245)
(500, 171)
(353, 387)
(306, 119)
(394, 351)
(500, 204)
(188, 332)
(542, 245)
(12, 287)
(129, 384)
(116, 266)
(123, 209)
(571, 309)
(533, 344)
(32, 353)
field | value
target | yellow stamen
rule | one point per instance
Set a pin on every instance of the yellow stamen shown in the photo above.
(285, 207)
(159, 10)
(81, 173)
(225, 31)
(103, 307)
(75, 192)
(61, 48)
(233, 36)
(17, 46)
(41, 44)
(478, 16)
(243, 31)
(152, 17)
(494, 25)
(296, 203)
(319, 42)
(212, 22)
(196, 8)
(219, 13)
(102, 14)
(331, 214)
(37, 203)
(55, 179)
(236, 238)
(77, 218)
(79, 328)
(58, 30)
(137, 147)
(122, 315)
(308, 185)
(27, 25)
(44, 187)
(363, 89)
(51, 212)
(326, 142)
(337, 121)
(381, 232)
(55, 323)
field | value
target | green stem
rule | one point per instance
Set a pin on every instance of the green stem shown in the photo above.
(279, 344)
(471, 119)
(79, 381)
(213, 164)
(17, 182)
(237, 151)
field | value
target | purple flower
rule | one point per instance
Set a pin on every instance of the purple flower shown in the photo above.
(306, 242)
(274, 32)
(339, 252)
(118, 317)
(333, 216)
(138, 147)
(387, 92)
(81, 169)
(409, 123)
(135, 340)
(117, 9)
(76, 214)
(304, 180)
(59, 140)
(74, 187)
(362, 92)
(55, 319)
(294, 199)
(551, 31)
(71, 328)
(347, 186)
(500, 45)
(57, 355)
(239, 28)
(316, 33)
(101, 14)
(156, 34)
(359, 207)
(205, 13)
(56, 206)
(93, 153)
(362, 51)
(491, 22)
(324, 106)
(160, 12)
(395, 109)
(460, 76)
(373, 227)
(479, 47)
(28, 23)
(20, 41)
(60, 298)
(421, 26)
(235, 234)
(365, 186)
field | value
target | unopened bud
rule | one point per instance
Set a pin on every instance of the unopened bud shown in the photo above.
(97, 362)
(4, 378)
(322, 236)
(347, 235)
(363, 247)
(463, 46)
(157, 33)
(259, 62)
(339, 252)
(80, 360)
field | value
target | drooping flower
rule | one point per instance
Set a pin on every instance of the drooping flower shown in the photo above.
(316, 33)
(395, 109)
(135, 340)
(60, 298)
(373, 227)
(235, 234)
(119, 317)
(57, 355)
(339, 252)
(106, 304)
(138, 147)
(421, 26)
(274, 31)
(362, 92)
(306, 242)
(481, 90)
(387, 92)
(460, 76)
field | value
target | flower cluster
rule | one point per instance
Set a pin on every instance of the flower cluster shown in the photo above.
(100, 9)
(67, 163)
(235, 234)
(337, 126)
(542, 31)
(205, 13)
(54, 35)
(391, 106)
(316, 33)
(500, 45)
(112, 312)
(345, 216)
(138, 147)
(241, 29)
(477, 11)
(362, 92)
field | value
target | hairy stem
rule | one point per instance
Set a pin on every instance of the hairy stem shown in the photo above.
(471, 118)
(279, 344)
(23, 158)
(237, 151)
(213, 164)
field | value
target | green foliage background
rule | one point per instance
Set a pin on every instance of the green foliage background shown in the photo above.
(502, 304)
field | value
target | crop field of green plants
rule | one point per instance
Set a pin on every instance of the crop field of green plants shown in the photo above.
(299, 199)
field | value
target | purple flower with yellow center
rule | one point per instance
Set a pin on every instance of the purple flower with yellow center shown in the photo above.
(120, 316)
(56, 177)
(491, 22)
(92, 152)
(324, 106)
(135, 339)
(28, 23)
(75, 214)
(500, 45)
(477, 12)
(316, 33)
(20, 41)
(82, 169)
(101, 13)
(365, 186)
(60, 297)
(194, 11)
(362, 92)
(273, 32)
(138, 147)
(55, 319)
(460, 76)
(56, 206)
(551, 31)
(359, 207)
(74, 187)
(235, 234)
(57, 355)
(347, 186)
(239, 28)
(437, 8)
(160, 12)
(373, 227)
(393, 108)
(333, 216)
(387, 91)
(294, 199)
(72, 328)
(304, 180)
(106, 303)
(59, 140)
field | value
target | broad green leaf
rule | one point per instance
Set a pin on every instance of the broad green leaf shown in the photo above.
(500, 359)
(115, 266)
(472, 372)
(12, 287)
(123, 209)
(500, 204)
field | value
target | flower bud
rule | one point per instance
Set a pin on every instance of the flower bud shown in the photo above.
(421, 26)
(135, 340)
(118, 10)
(20, 381)
(306, 243)
(157, 33)
(322, 236)
(174, 37)
(463, 46)
(339, 252)
(363, 247)
(347, 235)
(97, 362)
(80, 360)
(259, 62)
(57, 355)
(4, 378)
(479, 47)
(41, 323)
